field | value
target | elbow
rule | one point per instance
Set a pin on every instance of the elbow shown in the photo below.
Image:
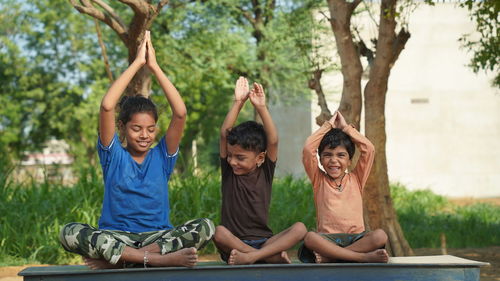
(106, 107)
(180, 115)
(273, 142)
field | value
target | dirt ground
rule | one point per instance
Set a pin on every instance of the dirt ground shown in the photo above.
(489, 254)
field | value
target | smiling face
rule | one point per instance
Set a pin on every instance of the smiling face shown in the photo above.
(140, 133)
(243, 161)
(335, 161)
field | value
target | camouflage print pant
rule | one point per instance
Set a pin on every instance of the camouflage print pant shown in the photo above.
(109, 244)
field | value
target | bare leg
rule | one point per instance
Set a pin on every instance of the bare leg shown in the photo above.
(326, 251)
(184, 257)
(371, 241)
(274, 248)
(225, 241)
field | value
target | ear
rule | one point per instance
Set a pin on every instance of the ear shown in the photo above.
(261, 157)
(121, 126)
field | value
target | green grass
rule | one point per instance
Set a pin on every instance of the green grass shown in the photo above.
(424, 215)
(33, 213)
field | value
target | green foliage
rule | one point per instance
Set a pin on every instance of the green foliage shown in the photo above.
(33, 214)
(424, 215)
(485, 49)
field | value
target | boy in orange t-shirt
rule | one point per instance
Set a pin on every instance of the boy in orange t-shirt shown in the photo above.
(338, 196)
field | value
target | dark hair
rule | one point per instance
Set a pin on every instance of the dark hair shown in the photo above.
(250, 135)
(130, 105)
(336, 137)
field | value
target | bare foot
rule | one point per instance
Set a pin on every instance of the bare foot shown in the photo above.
(236, 257)
(184, 257)
(98, 263)
(321, 259)
(379, 255)
(279, 258)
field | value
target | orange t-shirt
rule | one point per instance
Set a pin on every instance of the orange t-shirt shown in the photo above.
(338, 211)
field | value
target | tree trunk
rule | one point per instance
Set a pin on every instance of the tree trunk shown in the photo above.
(378, 202)
(340, 21)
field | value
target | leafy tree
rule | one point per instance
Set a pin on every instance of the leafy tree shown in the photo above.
(486, 50)
(388, 44)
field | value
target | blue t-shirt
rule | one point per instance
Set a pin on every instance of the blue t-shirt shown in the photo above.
(135, 195)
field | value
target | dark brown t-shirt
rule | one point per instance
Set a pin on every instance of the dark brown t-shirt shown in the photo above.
(246, 199)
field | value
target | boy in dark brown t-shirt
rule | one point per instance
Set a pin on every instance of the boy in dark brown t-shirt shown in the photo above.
(248, 155)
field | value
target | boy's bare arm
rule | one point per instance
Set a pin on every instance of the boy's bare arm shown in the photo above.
(175, 129)
(240, 97)
(367, 150)
(258, 99)
(112, 96)
(310, 150)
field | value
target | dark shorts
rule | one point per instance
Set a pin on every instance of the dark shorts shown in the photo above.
(341, 239)
(256, 244)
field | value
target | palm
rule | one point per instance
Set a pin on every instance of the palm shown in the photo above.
(257, 96)
(241, 89)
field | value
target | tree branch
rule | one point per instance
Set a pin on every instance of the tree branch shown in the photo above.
(110, 11)
(315, 84)
(399, 44)
(138, 6)
(97, 14)
(160, 5)
(247, 15)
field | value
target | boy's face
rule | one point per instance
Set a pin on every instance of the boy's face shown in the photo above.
(140, 132)
(243, 161)
(335, 161)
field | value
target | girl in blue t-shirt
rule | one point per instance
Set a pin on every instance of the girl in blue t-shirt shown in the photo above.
(134, 227)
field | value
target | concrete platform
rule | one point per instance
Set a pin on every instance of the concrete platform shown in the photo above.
(428, 268)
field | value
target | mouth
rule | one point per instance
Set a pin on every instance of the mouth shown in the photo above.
(143, 143)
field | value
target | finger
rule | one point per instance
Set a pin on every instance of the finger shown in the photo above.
(261, 89)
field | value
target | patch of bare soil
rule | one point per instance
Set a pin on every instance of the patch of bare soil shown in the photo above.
(469, 201)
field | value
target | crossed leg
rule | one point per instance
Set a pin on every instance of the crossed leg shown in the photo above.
(273, 251)
(365, 249)
(184, 257)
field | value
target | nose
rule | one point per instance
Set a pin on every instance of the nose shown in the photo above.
(231, 161)
(144, 134)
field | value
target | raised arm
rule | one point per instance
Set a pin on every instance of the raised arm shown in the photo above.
(112, 96)
(179, 111)
(240, 96)
(310, 151)
(366, 148)
(258, 99)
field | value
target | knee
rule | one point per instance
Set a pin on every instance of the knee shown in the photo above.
(379, 237)
(221, 233)
(208, 228)
(299, 228)
(68, 237)
(310, 236)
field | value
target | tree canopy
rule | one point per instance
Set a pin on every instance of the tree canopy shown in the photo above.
(486, 48)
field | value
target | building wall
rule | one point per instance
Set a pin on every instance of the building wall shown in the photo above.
(443, 121)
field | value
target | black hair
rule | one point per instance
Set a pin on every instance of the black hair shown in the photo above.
(336, 137)
(130, 105)
(250, 135)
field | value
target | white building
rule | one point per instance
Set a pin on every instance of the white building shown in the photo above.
(53, 163)
(443, 120)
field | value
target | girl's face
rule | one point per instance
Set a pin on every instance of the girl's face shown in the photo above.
(140, 133)
(335, 161)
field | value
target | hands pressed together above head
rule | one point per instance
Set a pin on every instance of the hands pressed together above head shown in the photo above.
(338, 120)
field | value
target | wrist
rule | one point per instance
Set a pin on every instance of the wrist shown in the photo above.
(155, 68)
(138, 63)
